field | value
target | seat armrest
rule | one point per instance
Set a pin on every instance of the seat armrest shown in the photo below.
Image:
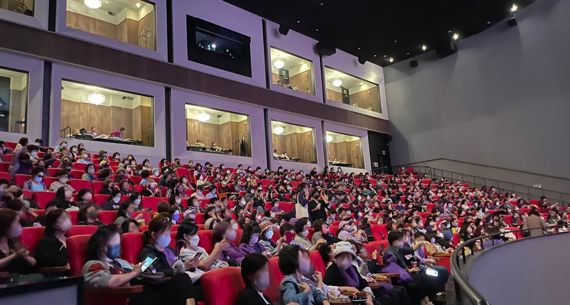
(123, 290)
(58, 269)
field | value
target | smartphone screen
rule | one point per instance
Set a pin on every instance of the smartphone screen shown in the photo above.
(147, 262)
(431, 272)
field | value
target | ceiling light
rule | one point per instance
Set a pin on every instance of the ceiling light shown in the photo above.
(337, 83)
(514, 8)
(278, 130)
(94, 4)
(391, 59)
(279, 64)
(203, 117)
(455, 36)
(138, 5)
(213, 46)
(329, 139)
(96, 98)
(424, 47)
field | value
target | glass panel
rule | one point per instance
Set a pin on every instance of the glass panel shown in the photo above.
(291, 71)
(344, 150)
(128, 21)
(347, 89)
(13, 100)
(25, 7)
(293, 142)
(216, 131)
(106, 115)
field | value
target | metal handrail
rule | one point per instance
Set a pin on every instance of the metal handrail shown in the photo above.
(461, 283)
(499, 184)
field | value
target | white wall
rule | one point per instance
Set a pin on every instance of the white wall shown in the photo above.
(225, 15)
(178, 127)
(502, 100)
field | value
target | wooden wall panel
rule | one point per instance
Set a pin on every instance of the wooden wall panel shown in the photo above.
(348, 151)
(299, 145)
(91, 25)
(15, 5)
(367, 99)
(334, 96)
(225, 135)
(147, 126)
(303, 81)
(146, 32)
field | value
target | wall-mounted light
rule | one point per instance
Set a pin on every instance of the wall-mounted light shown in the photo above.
(337, 83)
(279, 64)
(278, 130)
(514, 8)
(329, 139)
(455, 36)
(203, 117)
(96, 98)
(424, 47)
(94, 4)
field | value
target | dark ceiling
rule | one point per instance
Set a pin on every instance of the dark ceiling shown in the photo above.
(377, 30)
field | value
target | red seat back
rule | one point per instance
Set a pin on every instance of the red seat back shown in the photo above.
(333, 230)
(273, 291)
(81, 230)
(222, 286)
(43, 198)
(147, 216)
(317, 261)
(21, 178)
(379, 232)
(76, 174)
(107, 217)
(131, 245)
(77, 248)
(135, 179)
(152, 202)
(97, 186)
(99, 199)
(206, 240)
(4, 166)
(200, 218)
(78, 184)
(30, 237)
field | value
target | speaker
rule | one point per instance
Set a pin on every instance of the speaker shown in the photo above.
(283, 29)
(414, 63)
(512, 22)
(324, 49)
(446, 48)
(361, 60)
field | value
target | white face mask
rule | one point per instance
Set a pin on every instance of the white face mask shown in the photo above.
(235, 226)
(269, 234)
(195, 240)
(66, 225)
(305, 233)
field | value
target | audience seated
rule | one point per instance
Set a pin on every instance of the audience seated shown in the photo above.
(51, 250)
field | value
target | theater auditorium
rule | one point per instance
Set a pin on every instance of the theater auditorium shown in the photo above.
(301, 152)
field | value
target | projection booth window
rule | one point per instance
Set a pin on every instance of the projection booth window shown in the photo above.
(293, 142)
(350, 90)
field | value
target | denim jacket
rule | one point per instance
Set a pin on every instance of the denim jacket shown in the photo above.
(291, 292)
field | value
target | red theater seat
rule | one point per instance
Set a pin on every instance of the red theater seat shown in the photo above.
(21, 178)
(147, 216)
(4, 175)
(200, 218)
(107, 217)
(318, 263)
(379, 232)
(182, 172)
(81, 230)
(76, 174)
(30, 237)
(97, 186)
(79, 166)
(152, 202)
(73, 216)
(78, 184)
(77, 247)
(222, 286)
(333, 230)
(4, 166)
(43, 198)
(135, 179)
(131, 245)
(375, 245)
(206, 240)
(99, 199)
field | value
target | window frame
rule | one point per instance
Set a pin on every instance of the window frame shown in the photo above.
(38, 20)
(287, 90)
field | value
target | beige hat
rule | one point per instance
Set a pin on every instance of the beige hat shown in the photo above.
(343, 247)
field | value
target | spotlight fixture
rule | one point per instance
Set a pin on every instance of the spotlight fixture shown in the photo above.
(203, 117)
(279, 64)
(93, 4)
(512, 21)
(329, 139)
(414, 63)
(283, 29)
(424, 47)
(96, 98)
(514, 8)
(278, 130)
(361, 60)
(391, 59)
(455, 36)
(337, 83)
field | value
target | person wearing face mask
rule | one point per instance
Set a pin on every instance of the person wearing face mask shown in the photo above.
(84, 157)
(255, 275)
(84, 197)
(250, 240)
(51, 250)
(89, 215)
(294, 263)
(62, 181)
(36, 183)
(266, 239)
(113, 202)
(174, 214)
(302, 235)
(322, 232)
(342, 272)
(224, 231)
(89, 173)
(64, 199)
(14, 258)
(349, 231)
(126, 212)
(187, 240)
(152, 189)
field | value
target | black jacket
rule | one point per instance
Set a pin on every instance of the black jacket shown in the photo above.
(50, 252)
(333, 277)
(249, 296)
(160, 264)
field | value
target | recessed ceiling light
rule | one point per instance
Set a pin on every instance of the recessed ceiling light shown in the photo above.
(203, 117)
(455, 36)
(395, 41)
(278, 130)
(317, 29)
(94, 4)
(375, 55)
(337, 83)
(385, 55)
(329, 139)
(96, 98)
(299, 21)
(408, 53)
(138, 4)
(279, 64)
(358, 48)
(424, 47)
(514, 8)
(488, 22)
(322, 3)
(391, 59)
